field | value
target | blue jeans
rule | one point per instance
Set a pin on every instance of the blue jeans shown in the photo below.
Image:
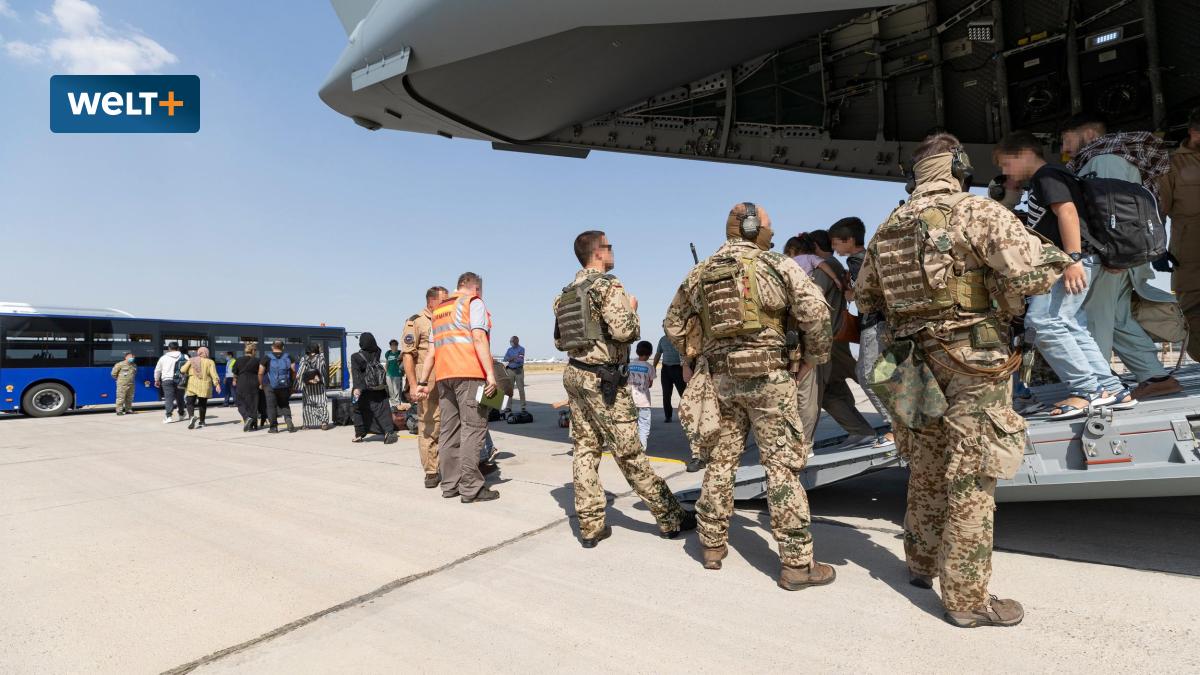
(1059, 326)
(1110, 320)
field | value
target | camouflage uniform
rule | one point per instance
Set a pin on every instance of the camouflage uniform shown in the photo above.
(415, 341)
(595, 425)
(125, 373)
(954, 462)
(765, 404)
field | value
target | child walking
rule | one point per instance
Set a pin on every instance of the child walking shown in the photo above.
(641, 378)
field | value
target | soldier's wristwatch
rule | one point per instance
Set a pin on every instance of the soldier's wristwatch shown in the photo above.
(1075, 256)
(422, 384)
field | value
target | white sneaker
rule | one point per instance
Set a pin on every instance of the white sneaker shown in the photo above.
(167, 420)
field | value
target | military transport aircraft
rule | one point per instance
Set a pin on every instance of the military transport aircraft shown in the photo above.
(842, 87)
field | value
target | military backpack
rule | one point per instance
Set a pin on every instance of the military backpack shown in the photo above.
(730, 301)
(574, 325)
(918, 272)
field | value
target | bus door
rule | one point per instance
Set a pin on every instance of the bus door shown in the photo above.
(331, 347)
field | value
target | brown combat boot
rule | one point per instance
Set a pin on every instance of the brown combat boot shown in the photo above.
(996, 613)
(713, 556)
(799, 578)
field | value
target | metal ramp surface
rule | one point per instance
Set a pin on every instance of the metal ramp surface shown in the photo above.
(1150, 451)
(828, 465)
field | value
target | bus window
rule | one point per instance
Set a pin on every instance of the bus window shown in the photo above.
(188, 343)
(109, 348)
(37, 342)
(231, 343)
(293, 345)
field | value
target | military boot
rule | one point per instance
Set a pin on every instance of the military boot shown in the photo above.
(799, 578)
(591, 542)
(713, 556)
(996, 613)
(920, 580)
(686, 524)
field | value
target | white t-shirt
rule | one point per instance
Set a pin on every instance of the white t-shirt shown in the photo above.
(641, 378)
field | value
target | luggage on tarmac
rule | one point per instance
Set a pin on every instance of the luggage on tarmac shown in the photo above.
(520, 417)
(343, 410)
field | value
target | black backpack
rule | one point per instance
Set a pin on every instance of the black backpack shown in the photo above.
(178, 377)
(374, 375)
(1123, 222)
(312, 371)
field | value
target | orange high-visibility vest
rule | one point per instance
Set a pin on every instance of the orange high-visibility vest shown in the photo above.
(453, 348)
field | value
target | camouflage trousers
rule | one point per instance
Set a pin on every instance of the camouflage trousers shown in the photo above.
(766, 405)
(953, 467)
(595, 426)
(124, 396)
(429, 417)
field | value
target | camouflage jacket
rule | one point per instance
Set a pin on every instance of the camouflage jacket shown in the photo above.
(612, 310)
(124, 372)
(984, 235)
(783, 287)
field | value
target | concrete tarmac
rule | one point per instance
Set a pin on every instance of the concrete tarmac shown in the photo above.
(130, 546)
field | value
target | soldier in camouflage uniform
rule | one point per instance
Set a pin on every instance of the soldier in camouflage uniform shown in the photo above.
(125, 373)
(743, 296)
(952, 296)
(595, 323)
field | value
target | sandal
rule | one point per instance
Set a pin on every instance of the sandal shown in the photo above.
(1124, 400)
(1067, 411)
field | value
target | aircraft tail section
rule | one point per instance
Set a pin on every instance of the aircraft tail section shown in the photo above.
(351, 12)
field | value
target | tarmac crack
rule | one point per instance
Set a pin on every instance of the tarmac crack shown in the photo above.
(375, 594)
(358, 600)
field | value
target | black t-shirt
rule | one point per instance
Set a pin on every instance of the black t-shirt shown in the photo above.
(1054, 184)
(854, 263)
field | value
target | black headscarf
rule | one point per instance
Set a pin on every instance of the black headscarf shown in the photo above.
(366, 342)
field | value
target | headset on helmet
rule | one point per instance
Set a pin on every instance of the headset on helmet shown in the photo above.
(960, 168)
(749, 222)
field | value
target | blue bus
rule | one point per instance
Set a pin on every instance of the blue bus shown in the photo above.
(52, 360)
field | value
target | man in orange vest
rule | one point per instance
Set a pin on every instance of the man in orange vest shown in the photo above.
(460, 355)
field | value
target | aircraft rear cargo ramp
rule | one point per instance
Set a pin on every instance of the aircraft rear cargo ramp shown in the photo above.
(1150, 451)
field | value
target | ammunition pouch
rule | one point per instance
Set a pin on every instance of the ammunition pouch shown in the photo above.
(731, 304)
(969, 291)
(613, 376)
(907, 386)
(748, 363)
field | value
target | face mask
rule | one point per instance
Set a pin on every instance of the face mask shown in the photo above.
(130, 359)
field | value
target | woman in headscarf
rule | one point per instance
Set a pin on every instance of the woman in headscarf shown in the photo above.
(246, 372)
(371, 408)
(312, 381)
(202, 379)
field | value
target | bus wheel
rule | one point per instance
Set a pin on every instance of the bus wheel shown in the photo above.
(47, 399)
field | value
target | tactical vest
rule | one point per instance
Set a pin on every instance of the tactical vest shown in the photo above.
(918, 272)
(574, 325)
(731, 304)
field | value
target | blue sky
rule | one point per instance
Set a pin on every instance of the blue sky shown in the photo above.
(281, 210)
